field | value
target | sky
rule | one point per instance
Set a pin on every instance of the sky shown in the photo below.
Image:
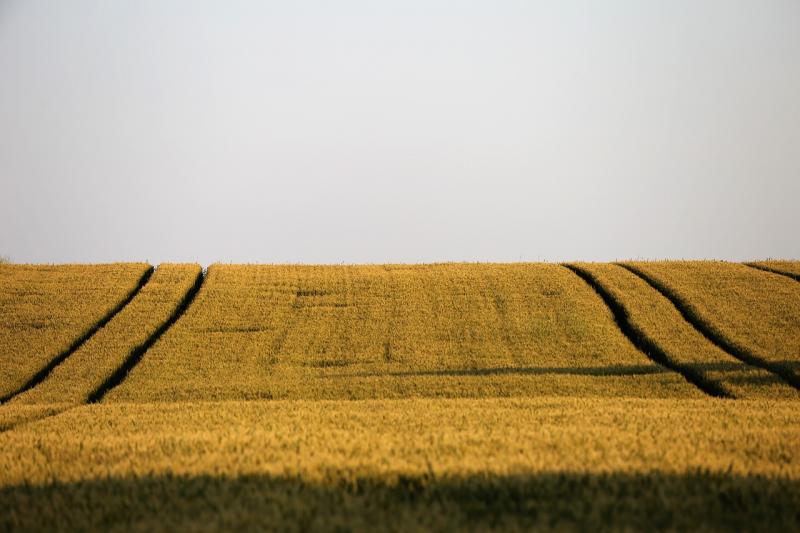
(405, 131)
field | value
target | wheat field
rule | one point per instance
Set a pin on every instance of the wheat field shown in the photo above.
(86, 370)
(291, 332)
(656, 318)
(434, 464)
(786, 268)
(638, 395)
(754, 314)
(46, 309)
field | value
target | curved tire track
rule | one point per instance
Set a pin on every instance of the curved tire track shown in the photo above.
(765, 268)
(137, 353)
(57, 360)
(746, 356)
(644, 343)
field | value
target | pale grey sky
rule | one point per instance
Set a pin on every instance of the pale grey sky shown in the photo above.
(407, 131)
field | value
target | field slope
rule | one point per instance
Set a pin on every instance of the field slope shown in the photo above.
(400, 397)
(87, 370)
(752, 314)
(431, 464)
(48, 311)
(787, 268)
(301, 332)
(657, 319)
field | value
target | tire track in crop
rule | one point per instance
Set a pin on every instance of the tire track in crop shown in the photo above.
(21, 423)
(42, 374)
(644, 343)
(137, 353)
(765, 268)
(746, 356)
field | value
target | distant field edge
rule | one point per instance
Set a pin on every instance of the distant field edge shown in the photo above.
(773, 270)
(785, 373)
(137, 353)
(72, 348)
(644, 343)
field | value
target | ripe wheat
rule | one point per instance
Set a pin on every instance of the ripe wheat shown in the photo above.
(658, 319)
(347, 332)
(755, 312)
(44, 309)
(85, 370)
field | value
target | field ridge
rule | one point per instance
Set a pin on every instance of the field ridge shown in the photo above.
(712, 334)
(771, 270)
(137, 353)
(17, 416)
(42, 374)
(644, 343)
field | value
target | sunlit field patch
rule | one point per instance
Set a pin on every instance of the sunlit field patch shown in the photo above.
(45, 310)
(401, 397)
(88, 369)
(388, 464)
(754, 314)
(658, 319)
(345, 332)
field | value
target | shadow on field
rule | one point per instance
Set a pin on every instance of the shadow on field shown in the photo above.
(571, 501)
(613, 370)
(610, 370)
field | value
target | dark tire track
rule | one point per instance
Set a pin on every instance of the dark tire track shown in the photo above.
(765, 268)
(42, 374)
(644, 343)
(786, 373)
(137, 353)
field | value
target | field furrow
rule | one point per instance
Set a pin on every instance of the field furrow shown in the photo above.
(656, 318)
(790, 269)
(641, 338)
(751, 314)
(106, 355)
(48, 312)
(384, 331)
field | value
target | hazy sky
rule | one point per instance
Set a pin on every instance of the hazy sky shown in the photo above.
(407, 131)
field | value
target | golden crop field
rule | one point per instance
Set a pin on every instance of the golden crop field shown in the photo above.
(787, 268)
(86, 370)
(12, 415)
(755, 314)
(45, 310)
(634, 396)
(348, 332)
(431, 464)
(656, 318)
